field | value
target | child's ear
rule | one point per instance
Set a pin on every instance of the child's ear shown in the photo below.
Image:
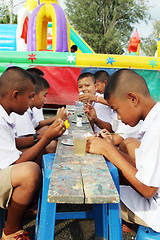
(14, 95)
(133, 98)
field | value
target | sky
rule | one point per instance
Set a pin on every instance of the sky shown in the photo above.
(143, 29)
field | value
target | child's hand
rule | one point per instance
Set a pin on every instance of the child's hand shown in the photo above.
(95, 145)
(87, 97)
(56, 129)
(89, 110)
(105, 134)
(61, 114)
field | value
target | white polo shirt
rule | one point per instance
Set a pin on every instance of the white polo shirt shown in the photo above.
(103, 112)
(8, 151)
(23, 124)
(148, 166)
(38, 113)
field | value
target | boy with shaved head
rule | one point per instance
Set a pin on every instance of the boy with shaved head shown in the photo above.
(20, 175)
(139, 163)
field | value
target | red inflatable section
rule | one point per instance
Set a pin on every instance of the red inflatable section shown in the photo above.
(63, 84)
(25, 29)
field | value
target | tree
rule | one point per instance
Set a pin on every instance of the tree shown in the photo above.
(5, 15)
(149, 44)
(106, 25)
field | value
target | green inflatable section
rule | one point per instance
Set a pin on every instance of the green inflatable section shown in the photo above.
(152, 78)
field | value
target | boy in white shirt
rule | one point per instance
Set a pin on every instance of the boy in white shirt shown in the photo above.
(28, 129)
(86, 84)
(101, 78)
(20, 175)
(127, 93)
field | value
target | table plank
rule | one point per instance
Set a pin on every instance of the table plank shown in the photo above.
(80, 180)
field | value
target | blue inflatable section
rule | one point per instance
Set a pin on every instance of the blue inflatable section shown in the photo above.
(8, 37)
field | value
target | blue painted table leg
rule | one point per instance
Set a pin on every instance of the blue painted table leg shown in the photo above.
(115, 221)
(114, 210)
(101, 221)
(46, 216)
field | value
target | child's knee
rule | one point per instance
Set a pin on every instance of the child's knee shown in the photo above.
(33, 173)
(51, 148)
(26, 174)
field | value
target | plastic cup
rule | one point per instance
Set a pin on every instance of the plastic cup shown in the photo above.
(78, 109)
(79, 142)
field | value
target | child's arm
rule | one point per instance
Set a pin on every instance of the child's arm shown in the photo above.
(92, 98)
(123, 163)
(55, 130)
(61, 114)
(89, 110)
(25, 142)
(116, 138)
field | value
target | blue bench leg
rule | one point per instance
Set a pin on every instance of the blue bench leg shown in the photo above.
(115, 222)
(45, 222)
(101, 221)
(2, 220)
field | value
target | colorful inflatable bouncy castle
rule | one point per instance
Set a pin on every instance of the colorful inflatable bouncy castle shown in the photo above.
(48, 11)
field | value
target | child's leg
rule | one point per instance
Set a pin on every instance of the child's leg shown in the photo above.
(51, 147)
(25, 178)
(127, 148)
(129, 145)
(130, 217)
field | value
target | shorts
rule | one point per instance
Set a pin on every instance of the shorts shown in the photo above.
(130, 217)
(6, 188)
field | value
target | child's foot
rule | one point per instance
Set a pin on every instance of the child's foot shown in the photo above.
(127, 227)
(19, 235)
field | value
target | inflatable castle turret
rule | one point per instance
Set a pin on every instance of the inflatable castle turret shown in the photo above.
(32, 29)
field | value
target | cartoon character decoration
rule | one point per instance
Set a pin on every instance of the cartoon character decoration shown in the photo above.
(134, 44)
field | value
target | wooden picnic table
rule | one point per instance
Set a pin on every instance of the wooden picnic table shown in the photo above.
(80, 180)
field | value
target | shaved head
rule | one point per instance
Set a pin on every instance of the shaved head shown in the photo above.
(15, 78)
(124, 81)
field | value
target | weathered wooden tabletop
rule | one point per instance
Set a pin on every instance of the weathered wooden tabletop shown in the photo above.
(80, 180)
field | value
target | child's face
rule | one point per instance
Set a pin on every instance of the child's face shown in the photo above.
(39, 99)
(86, 85)
(126, 110)
(22, 101)
(100, 86)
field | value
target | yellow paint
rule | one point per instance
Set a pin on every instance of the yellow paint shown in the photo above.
(31, 4)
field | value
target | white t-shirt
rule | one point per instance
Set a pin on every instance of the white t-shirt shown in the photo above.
(23, 124)
(8, 151)
(38, 114)
(148, 166)
(26, 123)
(125, 131)
(103, 112)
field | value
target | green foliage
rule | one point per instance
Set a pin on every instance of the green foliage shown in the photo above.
(5, 15)
(106, 25)
(149, 44)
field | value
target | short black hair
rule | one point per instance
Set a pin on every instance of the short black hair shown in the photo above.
(35, 71)
(15, 78)
(123, 81)
(101, 76)
(86, 74)
(40, 83)
(74, 48)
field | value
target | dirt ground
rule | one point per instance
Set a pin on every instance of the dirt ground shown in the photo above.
(72, 229)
